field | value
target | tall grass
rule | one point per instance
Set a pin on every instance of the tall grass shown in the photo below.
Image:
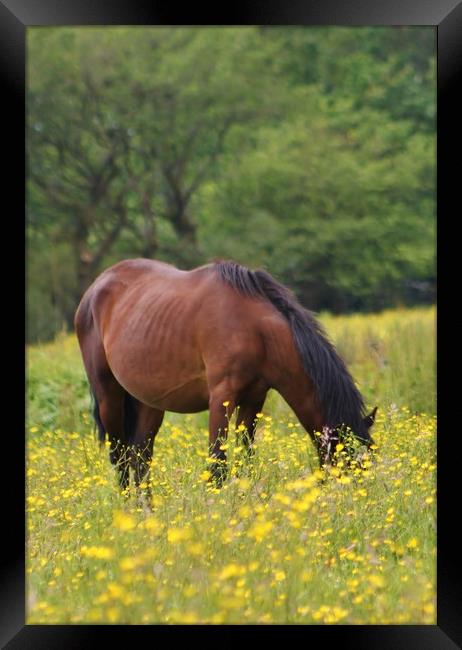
(392, 355)
(277, 543)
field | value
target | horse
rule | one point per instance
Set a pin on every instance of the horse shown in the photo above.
(155, 338)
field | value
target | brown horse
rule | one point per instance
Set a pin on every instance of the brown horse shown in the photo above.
(155, 339)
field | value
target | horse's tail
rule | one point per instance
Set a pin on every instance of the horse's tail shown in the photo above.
(130, 418)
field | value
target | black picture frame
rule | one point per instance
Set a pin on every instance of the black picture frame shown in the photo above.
(15, 17)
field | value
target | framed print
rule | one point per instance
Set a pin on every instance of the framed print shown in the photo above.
(270, 161)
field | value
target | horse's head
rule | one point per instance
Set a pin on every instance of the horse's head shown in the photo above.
(331, 437)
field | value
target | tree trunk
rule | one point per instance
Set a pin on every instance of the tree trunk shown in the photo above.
(85, 273)
(150, 243)
(182, 223)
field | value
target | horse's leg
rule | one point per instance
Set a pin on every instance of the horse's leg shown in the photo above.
(247, 418)
(110, 398)
(221, 407)
(148, 424)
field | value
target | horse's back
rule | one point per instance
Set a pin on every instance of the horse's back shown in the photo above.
(133, 272)
(144, 314)
(137, 277)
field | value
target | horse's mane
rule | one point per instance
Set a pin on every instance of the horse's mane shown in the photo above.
(340, 400)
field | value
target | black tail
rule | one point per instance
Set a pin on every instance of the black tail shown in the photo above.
(130, 418)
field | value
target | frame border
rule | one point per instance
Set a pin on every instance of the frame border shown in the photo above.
(446, 17)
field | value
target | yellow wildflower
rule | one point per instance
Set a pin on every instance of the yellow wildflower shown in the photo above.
(260, 529)
(175, 535)
(123, 521)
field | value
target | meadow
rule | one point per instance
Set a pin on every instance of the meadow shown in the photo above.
(281, 542)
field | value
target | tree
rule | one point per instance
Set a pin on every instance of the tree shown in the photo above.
(123, 131)
(344, 218)
(307, 150)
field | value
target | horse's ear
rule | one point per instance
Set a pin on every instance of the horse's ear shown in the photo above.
(370, 419)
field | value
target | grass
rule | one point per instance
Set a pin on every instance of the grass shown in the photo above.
(280, 542)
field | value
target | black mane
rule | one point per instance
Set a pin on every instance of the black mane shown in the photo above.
(340, 400)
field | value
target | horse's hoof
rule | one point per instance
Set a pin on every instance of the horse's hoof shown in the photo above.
(218, 476)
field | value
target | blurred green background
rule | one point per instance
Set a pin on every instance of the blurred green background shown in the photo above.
(309, 151)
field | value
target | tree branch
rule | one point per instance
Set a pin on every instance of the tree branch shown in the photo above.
(199, 178)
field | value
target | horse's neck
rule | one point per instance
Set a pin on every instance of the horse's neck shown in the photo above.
(301, 398)
(288, 377)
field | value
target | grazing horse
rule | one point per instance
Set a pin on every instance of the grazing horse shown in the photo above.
(154, 338)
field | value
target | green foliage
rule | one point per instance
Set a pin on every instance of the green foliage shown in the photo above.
(310, 151)
(57, 388)
(391, 355)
